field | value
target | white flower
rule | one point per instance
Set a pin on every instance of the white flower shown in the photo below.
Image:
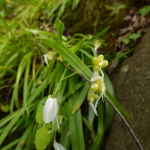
(50, 110)
(95, 76)
(48, 56)
(58, 146)
(97, 44)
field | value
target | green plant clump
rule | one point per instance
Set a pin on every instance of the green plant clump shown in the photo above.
(45, 102)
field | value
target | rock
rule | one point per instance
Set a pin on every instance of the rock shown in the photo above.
(132, 89)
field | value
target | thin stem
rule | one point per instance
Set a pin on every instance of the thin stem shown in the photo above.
(126, 123)
(39, 44)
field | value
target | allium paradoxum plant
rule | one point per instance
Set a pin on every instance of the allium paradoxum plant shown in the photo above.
(98, 85)
(97, 91)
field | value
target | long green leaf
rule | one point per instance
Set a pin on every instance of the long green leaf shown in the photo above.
(16, 85)
(26, 88)
(10, 125)
(68, 94)
(109, 109)
(99, 34)
(24, 136)
(68, 55)
(81, 98)
(59, 27)
(101, 129)
(10, 145)
(41, 32)
(8, 118)
(75, 121)
(64, 135)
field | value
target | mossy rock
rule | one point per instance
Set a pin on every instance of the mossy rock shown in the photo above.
(131, 84)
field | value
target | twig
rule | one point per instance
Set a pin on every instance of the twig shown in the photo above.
(39, 44)
(126, 123)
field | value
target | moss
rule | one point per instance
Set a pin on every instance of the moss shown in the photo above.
(92, 17)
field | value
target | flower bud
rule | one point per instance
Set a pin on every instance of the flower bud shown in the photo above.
(50, 110)
(99, 81)
(96, 67)
(96, 96)
(105, 63)
(100, 58)
(95, 61)
(95, 87)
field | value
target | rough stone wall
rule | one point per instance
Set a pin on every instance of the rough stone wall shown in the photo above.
(132, 89)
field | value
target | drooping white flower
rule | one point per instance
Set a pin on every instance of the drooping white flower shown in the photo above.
(97, 44)
(50, 110)
(48, 56)
(58, 146)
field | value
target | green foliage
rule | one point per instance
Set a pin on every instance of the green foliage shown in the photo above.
(115, 9)
(144, 10)
(42, 139)
(135, 36)
(131, 36)
(75, 3)
(21, 47)
(39, 115)
(59, 27)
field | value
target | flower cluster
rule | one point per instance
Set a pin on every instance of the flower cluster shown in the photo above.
(99, 63)
(98, 81)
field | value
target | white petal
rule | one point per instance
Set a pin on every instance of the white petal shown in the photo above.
(46, 59)
(58, 146)
(95, 76)
(96, 103)
(101, 64)
(93, 107)
(50, 110)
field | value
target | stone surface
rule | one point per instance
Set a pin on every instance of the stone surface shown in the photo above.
(132, 89)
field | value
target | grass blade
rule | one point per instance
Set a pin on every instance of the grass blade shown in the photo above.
(10, 145)
(81, 98)
(75, 121)
(101, 129)
(26, 88)
(10, 125)
(71, 58)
